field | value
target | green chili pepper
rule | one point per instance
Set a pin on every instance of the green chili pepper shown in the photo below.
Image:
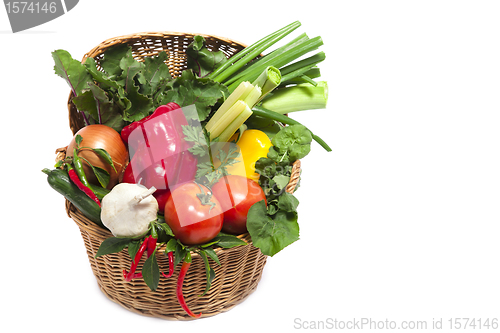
(78, 165)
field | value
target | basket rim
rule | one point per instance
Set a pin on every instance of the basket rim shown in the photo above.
(160, 34)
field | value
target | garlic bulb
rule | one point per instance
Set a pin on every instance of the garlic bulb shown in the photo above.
(128, 209)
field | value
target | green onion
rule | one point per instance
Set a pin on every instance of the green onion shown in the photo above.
(299, 68)
(268, 81)
(281, 118)
(277, 58)
(307, 77)
(241, 58)
(282, 81)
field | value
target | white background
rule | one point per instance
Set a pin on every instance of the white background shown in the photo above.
(399, 222)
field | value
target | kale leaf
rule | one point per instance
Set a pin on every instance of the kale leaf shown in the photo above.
(119, 89)
(189, 89)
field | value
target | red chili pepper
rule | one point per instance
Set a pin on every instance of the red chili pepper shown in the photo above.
(170, 265)
(151, 246)
(180, 281)
(128, 276)
(76, 180)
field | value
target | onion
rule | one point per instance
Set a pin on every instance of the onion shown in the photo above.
(104, 137)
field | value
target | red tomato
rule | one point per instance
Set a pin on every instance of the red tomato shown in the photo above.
(192, 220)
(236, 195)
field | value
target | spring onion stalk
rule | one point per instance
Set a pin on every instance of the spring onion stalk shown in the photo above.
(281, 118)
(289, 45)
(307, 62)
(299, 97)
(307, 77)
(241, 58)
(299, 68)
(235, 124)
(266, 60)
(299, 73)
(268, 80)
(277, 58)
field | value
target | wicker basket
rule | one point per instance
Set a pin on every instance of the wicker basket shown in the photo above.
(241, 267)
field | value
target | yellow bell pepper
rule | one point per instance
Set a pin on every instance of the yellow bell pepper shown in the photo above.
(253, 144)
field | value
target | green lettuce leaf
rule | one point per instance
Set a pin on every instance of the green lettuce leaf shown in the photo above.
(271, 234)
(293, 141)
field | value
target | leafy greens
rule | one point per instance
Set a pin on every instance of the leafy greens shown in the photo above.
(118, 89)
(275, 226)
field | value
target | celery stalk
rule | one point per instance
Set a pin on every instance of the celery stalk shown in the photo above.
(297, 98)
(246, 93)
(235, 124)
(253, 97)
(268, 80)
(227, 119)
(241, 58)
(241, 92)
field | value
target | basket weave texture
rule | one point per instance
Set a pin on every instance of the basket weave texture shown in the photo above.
(241, 267)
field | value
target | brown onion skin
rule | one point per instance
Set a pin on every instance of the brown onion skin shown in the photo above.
(104, 137)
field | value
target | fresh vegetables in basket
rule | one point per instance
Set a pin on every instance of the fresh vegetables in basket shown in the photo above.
(185, 164)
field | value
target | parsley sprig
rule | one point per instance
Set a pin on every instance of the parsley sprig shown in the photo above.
(213, 157)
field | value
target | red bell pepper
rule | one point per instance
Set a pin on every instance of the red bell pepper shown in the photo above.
(159, 153)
